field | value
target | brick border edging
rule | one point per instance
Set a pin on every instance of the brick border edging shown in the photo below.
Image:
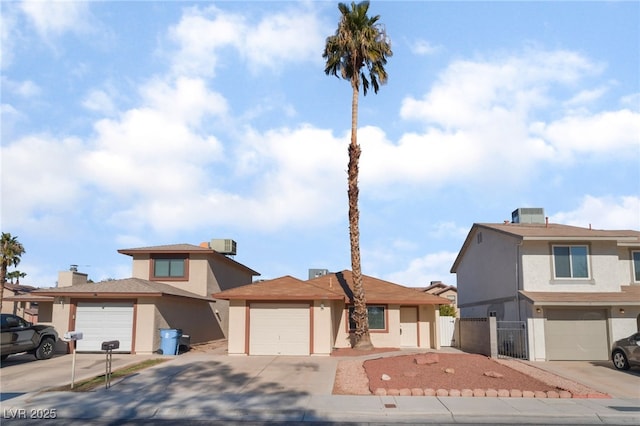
(489, 393)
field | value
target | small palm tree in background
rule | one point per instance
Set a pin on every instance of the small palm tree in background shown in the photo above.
(357, 52)
(10, 252)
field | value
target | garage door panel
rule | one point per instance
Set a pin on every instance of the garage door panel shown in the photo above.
(576, 334)
(100, 322)
(279, 329)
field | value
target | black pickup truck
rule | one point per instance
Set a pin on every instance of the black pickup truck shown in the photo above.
(19, 336)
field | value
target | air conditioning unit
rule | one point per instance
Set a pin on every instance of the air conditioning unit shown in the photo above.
(315, 273)
(227, 247)
(528, 215)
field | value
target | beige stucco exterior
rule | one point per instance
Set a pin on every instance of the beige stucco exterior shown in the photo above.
(189, 307)
(329, 329)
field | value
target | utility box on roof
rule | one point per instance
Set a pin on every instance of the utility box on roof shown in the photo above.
(528, 215)
(223, 246)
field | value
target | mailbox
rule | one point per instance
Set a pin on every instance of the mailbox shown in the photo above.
(70, 336)
(110, 345)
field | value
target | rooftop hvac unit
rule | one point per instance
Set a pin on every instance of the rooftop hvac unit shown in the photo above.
(315, 273)
(528, 215)
(224, 246)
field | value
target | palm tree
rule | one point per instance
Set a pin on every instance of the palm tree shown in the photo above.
(357, 52)
(10, 252)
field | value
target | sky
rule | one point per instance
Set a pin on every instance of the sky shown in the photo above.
(133, 124)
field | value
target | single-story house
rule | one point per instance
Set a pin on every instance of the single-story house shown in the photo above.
(288, 316)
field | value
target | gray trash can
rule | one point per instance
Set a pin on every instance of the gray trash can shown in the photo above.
(169, 338)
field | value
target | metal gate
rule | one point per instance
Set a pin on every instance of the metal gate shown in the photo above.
(512, 339)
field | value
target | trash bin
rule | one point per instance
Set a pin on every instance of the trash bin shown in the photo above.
(169, 340)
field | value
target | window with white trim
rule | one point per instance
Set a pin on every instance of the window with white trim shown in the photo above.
(636, 265)
(571, 261)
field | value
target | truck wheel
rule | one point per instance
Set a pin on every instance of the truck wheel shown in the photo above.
(46, 348)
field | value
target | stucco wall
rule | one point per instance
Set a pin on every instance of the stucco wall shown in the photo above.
(194, 317)
(604, 268)
(322, 343)
(488, 270)
(237, 327)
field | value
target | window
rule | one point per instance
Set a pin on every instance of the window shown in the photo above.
(571, 261)
(377, 318)
(636, 265)
(170, 268)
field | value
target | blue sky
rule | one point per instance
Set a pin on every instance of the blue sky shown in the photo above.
(129, 124)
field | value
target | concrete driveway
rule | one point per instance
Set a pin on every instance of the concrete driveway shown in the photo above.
(23, 373)
(598, 375)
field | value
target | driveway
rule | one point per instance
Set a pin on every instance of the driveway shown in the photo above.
(23, 373)
(598, 375)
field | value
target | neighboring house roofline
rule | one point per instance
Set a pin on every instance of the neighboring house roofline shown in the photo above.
(123, 288)
(29, 297)
(184, 249)
(550, 232)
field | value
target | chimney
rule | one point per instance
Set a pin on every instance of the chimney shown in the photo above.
(71, 278)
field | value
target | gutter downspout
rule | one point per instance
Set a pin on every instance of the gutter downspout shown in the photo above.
(518, 267)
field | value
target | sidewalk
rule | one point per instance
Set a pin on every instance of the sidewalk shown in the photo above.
(225, 389)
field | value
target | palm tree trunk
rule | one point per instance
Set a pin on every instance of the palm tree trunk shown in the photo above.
(360, 316)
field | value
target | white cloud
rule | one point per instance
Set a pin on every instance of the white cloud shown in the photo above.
(284, 37)
(430, 267)
(40, 181)
(631, 101)
(10, 34)
(471, 93)
(55, 17)
(199, 35)
(424, 47)
(607, 212)
(609, 133)
(275, 41)
(99, 101)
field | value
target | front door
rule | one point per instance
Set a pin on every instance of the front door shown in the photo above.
(409, 327)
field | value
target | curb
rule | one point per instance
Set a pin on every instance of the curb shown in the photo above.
(488, 393)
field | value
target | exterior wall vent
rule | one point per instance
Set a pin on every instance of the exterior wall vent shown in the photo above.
(528, 215)
(315, 273)
(226, 247)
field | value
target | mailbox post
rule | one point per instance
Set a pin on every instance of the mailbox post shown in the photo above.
(71, 337)
(108, 347)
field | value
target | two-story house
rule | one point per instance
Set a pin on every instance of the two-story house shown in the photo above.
(575, 289)
(170, 288)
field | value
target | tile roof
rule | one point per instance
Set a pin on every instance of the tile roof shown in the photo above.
(128, 287)
(629, 295)
(331, 286)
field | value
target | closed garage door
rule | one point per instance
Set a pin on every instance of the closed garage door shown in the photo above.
(279, 329)
(100, 322)
(576, 334)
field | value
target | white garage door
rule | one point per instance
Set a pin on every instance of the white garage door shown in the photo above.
(100, 322)
(576, 334)
(279, 329)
